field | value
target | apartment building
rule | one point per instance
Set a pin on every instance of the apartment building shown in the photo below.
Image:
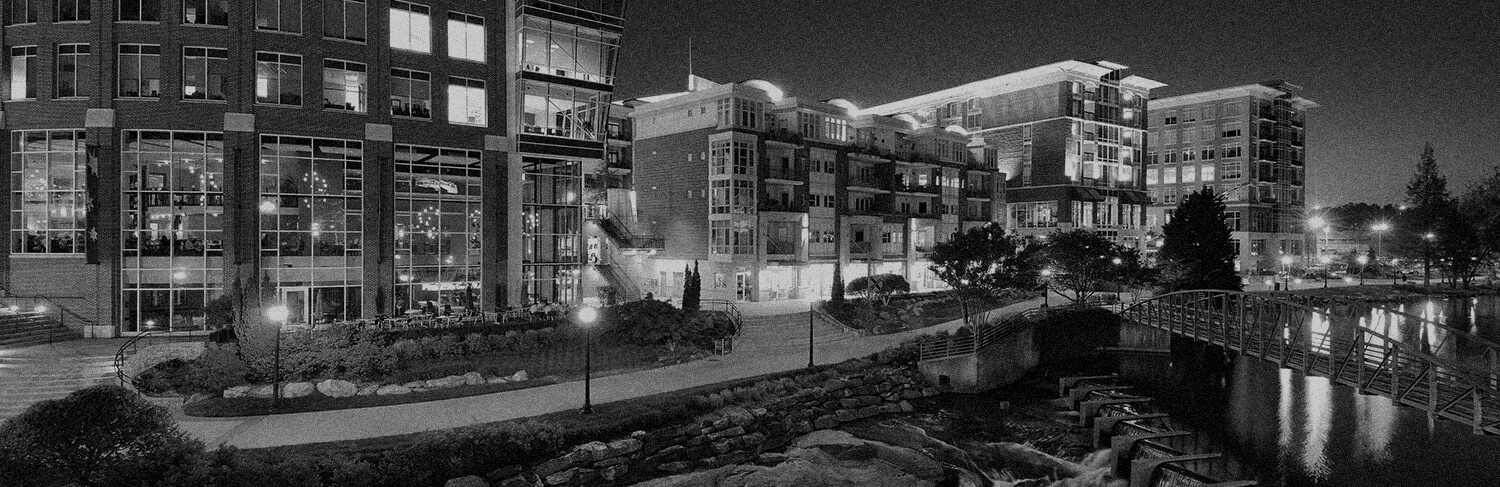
(1068, 136)
(166, 154)
(1247, 144)
(767, 193)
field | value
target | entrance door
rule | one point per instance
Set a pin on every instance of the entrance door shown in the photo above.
(297, 304)
(743, 286)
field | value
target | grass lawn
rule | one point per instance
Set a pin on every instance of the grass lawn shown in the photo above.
(547, 368)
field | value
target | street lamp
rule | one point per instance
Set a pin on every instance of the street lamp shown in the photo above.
(1117, 261)
(810, 333)
(1046, 288)
(586, 317)
(1325, 260)
(1316, 223)
(1379, 229)
(278, 315)
(1362, 260)
(1427, 261)
(1286, 271)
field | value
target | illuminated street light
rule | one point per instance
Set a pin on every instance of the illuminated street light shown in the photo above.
(586, 317)
(278, 314)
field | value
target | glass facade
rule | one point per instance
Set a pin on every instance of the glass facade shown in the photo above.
(310, 225)
(47, 201)
(172, 242)
(566, 50)
(551, 222)
(438, 238)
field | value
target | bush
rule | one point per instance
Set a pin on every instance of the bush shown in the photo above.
(102, 435)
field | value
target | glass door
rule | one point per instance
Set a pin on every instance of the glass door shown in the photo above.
(297, 304)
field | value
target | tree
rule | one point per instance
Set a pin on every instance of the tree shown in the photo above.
(1427, 203)
(837, 293)
(880, 286)
(1481, 203)
(1197, 252)
(984, 261)
(102, 435)
(1084, 261)
(692, 288)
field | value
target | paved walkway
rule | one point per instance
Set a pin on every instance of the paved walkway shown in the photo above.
(349, 424)
(36, 373)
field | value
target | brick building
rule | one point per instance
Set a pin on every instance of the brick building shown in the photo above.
(346, 158)
(1247, 143)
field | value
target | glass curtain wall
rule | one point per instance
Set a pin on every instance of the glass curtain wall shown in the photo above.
(438, 239)
(47, 172)
(172, 242)
(310, 225)
(552, 229)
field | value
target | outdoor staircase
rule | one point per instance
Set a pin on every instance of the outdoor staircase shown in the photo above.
(627, 241)
(617, 277)
(22, 328)
(787, 331)
(37, 373)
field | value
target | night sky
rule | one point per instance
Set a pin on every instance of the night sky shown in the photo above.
(1389, 75)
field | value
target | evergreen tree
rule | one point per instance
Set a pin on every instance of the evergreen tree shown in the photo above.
(692, 288)
(837, 295)
(1197, 253)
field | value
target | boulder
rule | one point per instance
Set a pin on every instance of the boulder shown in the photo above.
(297, 389)
(368, 390)
(392, 390)
(473, 379)
(264, 391)
(596, 450)
(449, 381)
(237, 392)
(337, 388)
(519, 376)
(470, 481)
(624, 447)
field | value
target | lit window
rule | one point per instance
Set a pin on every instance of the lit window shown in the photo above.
(203, 70)
(411, 27)
(345, 85)
(23, 73)
(466, 102)
(278, 78)
(411, 93)
(465, 36)
(279, 15)
(47, 191)
(205, 12)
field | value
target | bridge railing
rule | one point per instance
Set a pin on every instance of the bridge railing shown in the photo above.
(1413, 370)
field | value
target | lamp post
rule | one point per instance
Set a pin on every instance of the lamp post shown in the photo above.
(1046, 287)
(963, 304)
(1325, 260)
(1427, 261)
(1286, 271)
(1118, 278)
(809, 334)
(586, 317)
(278, 315)
(1393, 274)
(1362, 260)
(1379, 229)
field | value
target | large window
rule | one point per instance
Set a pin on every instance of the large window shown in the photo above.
(465, 36)
(172, 223)
(740, 112)
(23, 73)
(411, 93)
(205, 12)
(279, 15)
(21, 11)
(345, 86)
(731, 156)
(139, 71)
(278, 78)
(47, 173)
(203, 70)
(737, 196)
(139, 10)
(74, 11)
(567, 50)
(732, 237)
(310, 224)
(564, 111)
(1033, 215)
(411, 26)
(73, 80)
(344, 19)
(438, 239)
(466, 102)
(551, 222)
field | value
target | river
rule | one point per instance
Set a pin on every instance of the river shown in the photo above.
(1304, 431)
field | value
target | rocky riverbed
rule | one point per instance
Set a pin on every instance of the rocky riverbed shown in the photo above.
(951, 440)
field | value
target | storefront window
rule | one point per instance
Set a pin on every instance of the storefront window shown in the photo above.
(310, 225)
(438, 238)
(47, 191)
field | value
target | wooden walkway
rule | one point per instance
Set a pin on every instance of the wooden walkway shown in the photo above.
(1445, 371)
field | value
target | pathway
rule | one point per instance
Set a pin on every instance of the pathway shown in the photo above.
(748, 361)
(39, 372)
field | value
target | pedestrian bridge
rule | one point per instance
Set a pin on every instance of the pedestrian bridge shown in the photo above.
(1446, 371)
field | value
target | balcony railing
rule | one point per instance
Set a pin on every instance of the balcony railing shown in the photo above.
(923, 248)
(779, 247)
(778, 205)
(916, 188)
(893, 249)
(784, 135)
(859, 247)
(865, 181)
(979, 191)
(794, 173)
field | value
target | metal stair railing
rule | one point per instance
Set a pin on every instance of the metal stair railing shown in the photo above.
(43, 305)
(1299, 337)
(625, 238)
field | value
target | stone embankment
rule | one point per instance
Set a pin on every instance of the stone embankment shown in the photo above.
(731, 435)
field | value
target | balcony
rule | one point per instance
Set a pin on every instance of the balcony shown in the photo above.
(865, 181)
(982, 191)
(916, 188)
(780, 247)
(786, 206)
(797, 172)
(893, 249)
(860, 247)
(784, 135)
(868, 150)
(978, 215)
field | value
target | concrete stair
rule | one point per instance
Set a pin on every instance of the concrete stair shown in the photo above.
(28, 328)
(28, 378)
(787, 331)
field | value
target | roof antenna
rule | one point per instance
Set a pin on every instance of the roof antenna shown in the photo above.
(692, 81)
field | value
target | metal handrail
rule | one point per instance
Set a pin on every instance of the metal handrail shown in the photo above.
(120, 356)
(62, 311)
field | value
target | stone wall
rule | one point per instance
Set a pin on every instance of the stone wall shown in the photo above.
(160, 353)
(735, 434)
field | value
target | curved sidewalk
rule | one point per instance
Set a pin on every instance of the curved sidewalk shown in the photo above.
(350, 424)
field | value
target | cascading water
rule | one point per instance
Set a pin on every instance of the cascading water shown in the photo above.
(980, 463)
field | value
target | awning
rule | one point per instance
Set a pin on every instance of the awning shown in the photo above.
(1087, 194)
(1134, 198)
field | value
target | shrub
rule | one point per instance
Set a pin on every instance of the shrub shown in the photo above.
(102, 435)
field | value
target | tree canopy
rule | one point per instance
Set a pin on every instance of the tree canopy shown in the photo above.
(101, 435)
(1197, 252)
(1084, 261)
(983, 261)
(880, 286)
